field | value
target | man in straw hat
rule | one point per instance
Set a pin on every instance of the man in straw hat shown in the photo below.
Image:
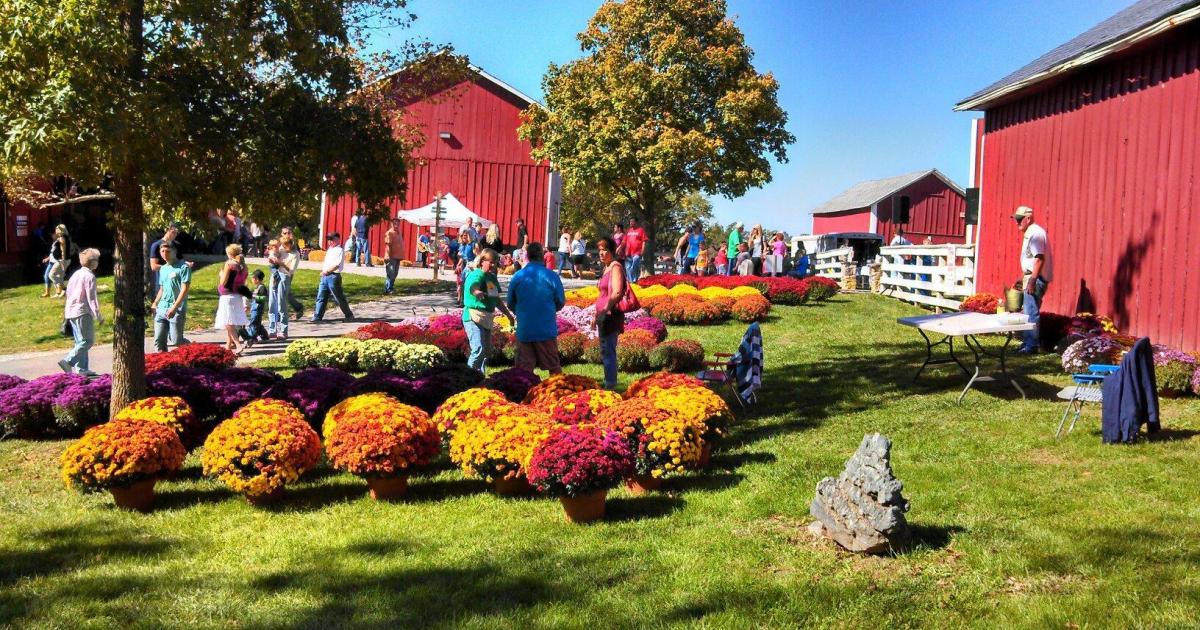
(1036, 271)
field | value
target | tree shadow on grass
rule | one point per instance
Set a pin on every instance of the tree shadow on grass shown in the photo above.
(345, 595)
(64, 549)
(313, 497)
(622, 509)
(168, 498)
(436, 490)
(707, 482)
(930, 537)
(732, 461)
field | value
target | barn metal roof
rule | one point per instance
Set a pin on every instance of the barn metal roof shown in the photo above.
(864, 194)
(1137, 23)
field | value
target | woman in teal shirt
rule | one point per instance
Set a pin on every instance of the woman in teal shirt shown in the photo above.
(481, 298)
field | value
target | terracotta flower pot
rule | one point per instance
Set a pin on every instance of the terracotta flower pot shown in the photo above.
(643, 484)
(705, 456)
(388, 488)
(269, 498)
(138, 497)
(585, 508)
(515, 487)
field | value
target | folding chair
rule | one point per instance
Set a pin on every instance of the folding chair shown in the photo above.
(741, 371)
(1087, 389)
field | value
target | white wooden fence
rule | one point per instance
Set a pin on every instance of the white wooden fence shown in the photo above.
(829, 264)
(943, 284)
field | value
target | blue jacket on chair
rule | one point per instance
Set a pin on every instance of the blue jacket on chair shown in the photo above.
(1131, 396)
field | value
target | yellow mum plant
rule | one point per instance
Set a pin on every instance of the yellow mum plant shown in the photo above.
(463, 407)
(263, 447)
(581, 408)
(353, 406)
(387, 441)
(500, 444)
(665, 442)
(683, 289)
(696, 404)
(743, 291)
(171, 411)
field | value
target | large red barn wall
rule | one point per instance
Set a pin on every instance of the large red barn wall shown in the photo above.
(484, 165)
(936, 211)
(852, 221)
(1110, 163)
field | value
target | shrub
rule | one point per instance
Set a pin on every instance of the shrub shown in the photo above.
(500, 444)
(1174, 377)
(395, 385)
(231, 389)
(787, 291)
(751, 308)
(26, 411)
(648, 323)
(385, 440)
(688, 309)
(677, 355)
(302, 353)
(190, 384)
(545, 394)
(416, 321)
(582, 318)
(121, 453)
(196, 355)
(576, 461)
(1079, 355)
(981, 303)
(570, 347)
(446, 323)
(581, 407)
(1196, 380)
(436, 384)
(453, 344)
(591, 352)
(8, 381)
(565, 326)
(82, 405)
(338, 353)
(821, 289)
(313, 391)
(377, 354)
(265, 445)
(514, 383)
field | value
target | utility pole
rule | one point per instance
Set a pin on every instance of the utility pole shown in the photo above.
(438, 213)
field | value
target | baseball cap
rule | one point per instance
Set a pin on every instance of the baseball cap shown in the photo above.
(1023, 211)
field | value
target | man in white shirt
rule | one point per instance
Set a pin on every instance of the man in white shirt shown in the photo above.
(1036, 271)
(331, 280)
(564, 248)
(899, 238)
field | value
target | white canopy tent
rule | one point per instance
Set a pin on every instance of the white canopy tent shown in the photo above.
(455, 214)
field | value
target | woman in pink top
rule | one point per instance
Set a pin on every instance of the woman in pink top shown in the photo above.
(82, 310)
(779, 250)
(610, 321)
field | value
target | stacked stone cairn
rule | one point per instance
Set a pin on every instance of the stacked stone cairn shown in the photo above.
(863, 510)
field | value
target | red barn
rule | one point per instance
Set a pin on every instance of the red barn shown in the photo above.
(470, 149)
(934, 204)
(1101, 137)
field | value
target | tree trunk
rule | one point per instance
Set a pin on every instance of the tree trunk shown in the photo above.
(129, 312)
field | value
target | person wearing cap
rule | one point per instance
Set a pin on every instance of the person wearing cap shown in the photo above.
(393, 240)
(735, 239)
(331, 280)
(1036, 272)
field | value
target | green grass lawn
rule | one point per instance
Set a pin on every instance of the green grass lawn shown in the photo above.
(30, 323)
(1012, 528)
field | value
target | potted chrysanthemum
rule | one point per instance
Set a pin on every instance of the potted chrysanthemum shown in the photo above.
(579, 465)
(125, 457)
(382, 444)
(265, 445)
(497, 443)
(665, 443)
(698, 405)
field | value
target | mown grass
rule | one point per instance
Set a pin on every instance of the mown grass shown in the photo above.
(1012, 528)
(30, 323)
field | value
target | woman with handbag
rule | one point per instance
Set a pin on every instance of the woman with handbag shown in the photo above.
(231, 308)
(481, 298)
(616, 298)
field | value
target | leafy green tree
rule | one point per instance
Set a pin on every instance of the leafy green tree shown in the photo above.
(192, 106)
(665, 102)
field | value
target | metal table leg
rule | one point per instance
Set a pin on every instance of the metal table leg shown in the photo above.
(978, 351)
(929, 360)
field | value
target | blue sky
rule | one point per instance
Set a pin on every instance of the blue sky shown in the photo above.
(868, 86)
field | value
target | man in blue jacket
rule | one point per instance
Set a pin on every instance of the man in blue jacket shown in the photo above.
(535, 295)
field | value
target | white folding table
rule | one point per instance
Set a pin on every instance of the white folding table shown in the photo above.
(970, 326)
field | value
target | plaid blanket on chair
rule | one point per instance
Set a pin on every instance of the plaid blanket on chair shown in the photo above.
(747, 364)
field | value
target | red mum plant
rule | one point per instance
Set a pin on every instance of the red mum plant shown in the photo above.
(981, 303)
(453, 343)
(821, 289)
(196, 355)
(677, 355)
(577, 461)
(545, 394)
(571, 346)
(385, 441)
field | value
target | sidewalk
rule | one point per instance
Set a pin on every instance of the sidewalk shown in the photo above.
(34, 364)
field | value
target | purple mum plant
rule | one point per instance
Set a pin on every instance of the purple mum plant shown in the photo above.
(313, 391)
(393, 384)
(82, 405)
(652, 324)
(514, 383)
(27, 409)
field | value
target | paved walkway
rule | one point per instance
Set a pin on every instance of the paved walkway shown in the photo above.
(34, 364)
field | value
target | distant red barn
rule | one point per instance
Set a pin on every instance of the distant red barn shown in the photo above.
(471, 150)
(1101, 137)
(935, 208)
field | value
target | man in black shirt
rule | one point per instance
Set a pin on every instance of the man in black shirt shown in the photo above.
(522, 234)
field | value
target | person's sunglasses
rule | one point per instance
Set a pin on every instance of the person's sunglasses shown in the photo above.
(1018, 220)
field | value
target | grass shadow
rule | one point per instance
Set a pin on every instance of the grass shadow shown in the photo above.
(312, 497)
(437, 490)
(64, 549)
(733, 461)
(183, 498)
(931, 537)
(707, 482)
(1171, 435)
